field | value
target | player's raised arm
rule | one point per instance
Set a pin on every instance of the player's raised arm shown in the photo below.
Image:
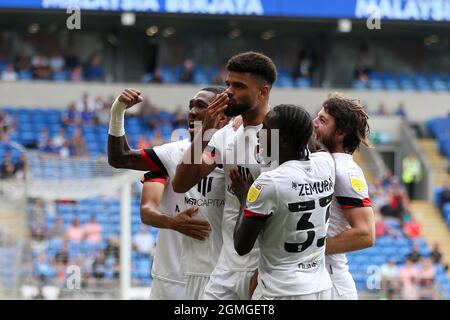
(152, 194)
(120, 154)
(195, 163)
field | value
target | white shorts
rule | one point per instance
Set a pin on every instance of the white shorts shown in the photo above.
(167, 290)
(344, 287)
(195, 286)
(321, 295)
(228, 285)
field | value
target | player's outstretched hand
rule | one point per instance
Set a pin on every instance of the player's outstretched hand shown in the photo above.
(190, 226)
(130, 97)
(239, 185)
(214, 114)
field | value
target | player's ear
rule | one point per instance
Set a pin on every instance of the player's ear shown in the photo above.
(264, 91)
(340, 135)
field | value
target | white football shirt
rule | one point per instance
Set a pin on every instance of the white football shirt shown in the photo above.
(166, 262)
(295, 200)
(198, 257)
(351, 191)
(235, 149)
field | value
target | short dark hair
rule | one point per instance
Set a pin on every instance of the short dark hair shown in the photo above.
(350, 118)
(296, 123)
(254, 63)
(214, 89)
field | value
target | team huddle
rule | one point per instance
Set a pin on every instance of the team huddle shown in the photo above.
(250, 171)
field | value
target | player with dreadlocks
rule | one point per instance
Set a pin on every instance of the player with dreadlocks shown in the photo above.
(288, 208)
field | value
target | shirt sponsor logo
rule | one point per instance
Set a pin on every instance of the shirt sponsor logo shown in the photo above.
(308, 189)
(254, 192)
(204, 202)
(358, 184)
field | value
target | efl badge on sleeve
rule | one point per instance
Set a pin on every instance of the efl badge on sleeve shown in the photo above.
(358, 184)
(253, 192)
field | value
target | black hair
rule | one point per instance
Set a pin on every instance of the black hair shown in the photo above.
(254, 63)
(215, 89)
(296, 124)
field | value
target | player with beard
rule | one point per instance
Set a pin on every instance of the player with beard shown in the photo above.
(249, 81)
(342, 125)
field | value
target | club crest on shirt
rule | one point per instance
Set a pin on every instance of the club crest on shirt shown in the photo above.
(253, 192)
(358, 184)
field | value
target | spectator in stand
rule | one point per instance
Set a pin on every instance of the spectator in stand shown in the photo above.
(38, 228)
(87, 116)
(436, 256)
(77, 74)
(42, 139)
(112, 247)
(22, 62)
(427, 280)
(378, 194)
(74, 232)
(94, 70)
(59, 139)
(56, 61)
(77, 145)
(187, 73)
(20, 168)
(221, 76)
(157, 139)
(157, 76)
(387, 179)
(40, 67)
(8, 123)
(7, 168)
(180, 118)
(306, 64)
(99, 266)
(381, 110)
(57, 232)
(444, 197)
(9, 74)
(103, 111)
(361, 73)
(44, 270)
(62, 256)
(144, 242)
(414, 255)
(411, 228)
(71, 116)
(150, 114)
(71, 60)
(389, 279)
(85, 103)
(401, 111)
(398, 203)
(93, 231)
(383, 229)
(411, 173)
(64, 151)
(409, 278)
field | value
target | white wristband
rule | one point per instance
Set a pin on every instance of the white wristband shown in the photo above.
(116, 123)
